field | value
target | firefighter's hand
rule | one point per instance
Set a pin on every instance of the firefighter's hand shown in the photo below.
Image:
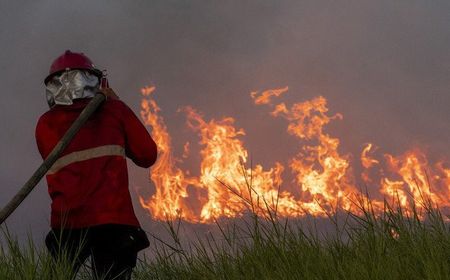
(109, 93)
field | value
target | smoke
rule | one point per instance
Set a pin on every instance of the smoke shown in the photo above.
(384, 65)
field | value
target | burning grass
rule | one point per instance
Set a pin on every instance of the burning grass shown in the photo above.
(395, 244)
(323, 177)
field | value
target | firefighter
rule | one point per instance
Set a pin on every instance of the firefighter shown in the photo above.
(91, 210)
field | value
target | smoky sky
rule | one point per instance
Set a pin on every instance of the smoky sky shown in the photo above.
(385, 65)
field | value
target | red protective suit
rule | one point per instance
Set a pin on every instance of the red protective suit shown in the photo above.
(88, 184)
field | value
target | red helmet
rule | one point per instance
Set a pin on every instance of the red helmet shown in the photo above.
(72, 60)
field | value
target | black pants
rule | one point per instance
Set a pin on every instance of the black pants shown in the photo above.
(113, 248)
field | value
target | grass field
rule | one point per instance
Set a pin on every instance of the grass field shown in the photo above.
(393, 245)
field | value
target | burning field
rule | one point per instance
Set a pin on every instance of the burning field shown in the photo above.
(324, 179)
(318, 214)
(312, 216)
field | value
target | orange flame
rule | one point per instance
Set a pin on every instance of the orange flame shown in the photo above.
(324, 181)
(367, 162)
(321, 172)
(171, 182)
(414, 170)
(265, 97)
(223, 172)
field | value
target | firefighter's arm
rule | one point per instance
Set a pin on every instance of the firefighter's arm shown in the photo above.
(45, 137)
(39, 138)
(139, 145)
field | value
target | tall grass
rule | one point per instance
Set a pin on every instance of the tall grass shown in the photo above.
(395, 244)
(28, 262)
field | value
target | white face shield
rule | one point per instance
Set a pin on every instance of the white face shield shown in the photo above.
(74, 84)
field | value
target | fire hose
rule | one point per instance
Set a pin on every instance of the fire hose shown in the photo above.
(52, 157)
